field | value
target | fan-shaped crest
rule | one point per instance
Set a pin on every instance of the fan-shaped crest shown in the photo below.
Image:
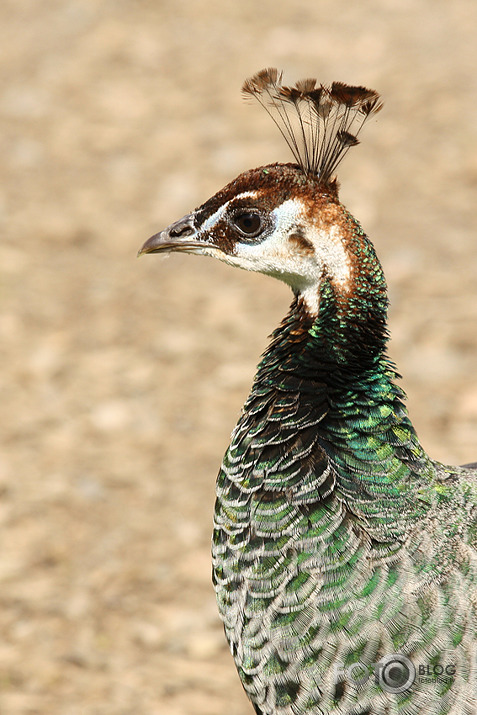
(318, 123)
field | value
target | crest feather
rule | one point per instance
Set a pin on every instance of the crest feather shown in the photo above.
(318, 123)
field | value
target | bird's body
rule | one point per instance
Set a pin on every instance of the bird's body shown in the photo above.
(344, 558)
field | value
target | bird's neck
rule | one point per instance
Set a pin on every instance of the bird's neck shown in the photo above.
(351, 325)
(339, 356)
(342, 354)
(347, 337)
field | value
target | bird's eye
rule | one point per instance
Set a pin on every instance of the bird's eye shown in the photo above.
(248, 222)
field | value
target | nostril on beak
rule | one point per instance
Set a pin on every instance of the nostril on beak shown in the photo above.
(175, 237)
(181, 228)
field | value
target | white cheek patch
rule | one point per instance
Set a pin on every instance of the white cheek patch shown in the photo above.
(330, 254)
(331, 248)
(288, 214)
(274, 255)
(280, 256)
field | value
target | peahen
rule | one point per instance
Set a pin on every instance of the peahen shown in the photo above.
(344, 557)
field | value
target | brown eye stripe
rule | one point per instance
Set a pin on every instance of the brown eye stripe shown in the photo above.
(301, 243)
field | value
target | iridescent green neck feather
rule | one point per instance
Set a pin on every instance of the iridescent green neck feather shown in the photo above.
(338, 360)
(351, 326)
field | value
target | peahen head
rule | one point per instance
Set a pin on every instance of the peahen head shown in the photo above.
(285, 220)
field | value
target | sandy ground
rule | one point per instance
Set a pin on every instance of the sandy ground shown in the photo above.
(121, 379)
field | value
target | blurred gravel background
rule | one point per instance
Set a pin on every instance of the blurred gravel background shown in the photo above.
(121, 379)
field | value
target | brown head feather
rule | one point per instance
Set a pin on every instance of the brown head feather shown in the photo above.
(306, 85)
(350, 96)
(318, 123)
(261, 81)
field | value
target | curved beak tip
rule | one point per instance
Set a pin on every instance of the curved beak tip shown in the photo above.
(151, 245)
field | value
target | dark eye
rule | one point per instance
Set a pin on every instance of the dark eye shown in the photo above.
(248, 222)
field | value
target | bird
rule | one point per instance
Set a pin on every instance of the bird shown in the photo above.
(344, 556)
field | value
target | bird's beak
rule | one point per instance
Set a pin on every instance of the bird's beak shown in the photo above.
(179, 236)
